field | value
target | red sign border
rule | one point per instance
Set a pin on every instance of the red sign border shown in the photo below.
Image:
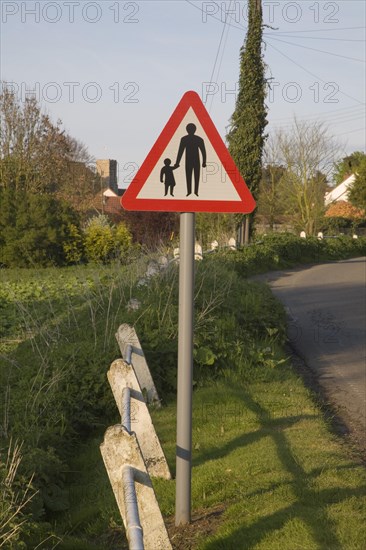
(129, 199)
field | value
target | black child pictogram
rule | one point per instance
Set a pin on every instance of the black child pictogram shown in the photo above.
(167, 177)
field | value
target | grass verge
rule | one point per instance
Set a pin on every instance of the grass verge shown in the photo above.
(267, 470)
(263, 451)
(268, 473)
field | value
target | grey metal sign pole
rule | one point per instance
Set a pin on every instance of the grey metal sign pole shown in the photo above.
(185, 370)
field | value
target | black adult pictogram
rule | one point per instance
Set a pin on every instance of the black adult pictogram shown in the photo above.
(167, 177)
(192, 146)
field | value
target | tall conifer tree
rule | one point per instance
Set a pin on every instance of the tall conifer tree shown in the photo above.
(246, 137)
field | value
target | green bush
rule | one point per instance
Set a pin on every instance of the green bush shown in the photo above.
(336, 226)
(122, 241)
(281, 250)
(219, 227)
(104, 242)
(34, 229)
(99, 243)
(17, 500)
(73, 245)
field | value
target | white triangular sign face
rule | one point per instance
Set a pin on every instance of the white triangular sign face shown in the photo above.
(189, 168)
(213, 183)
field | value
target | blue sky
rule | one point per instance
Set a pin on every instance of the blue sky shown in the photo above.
(113, 71)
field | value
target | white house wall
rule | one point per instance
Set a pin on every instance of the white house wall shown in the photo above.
(339, 193)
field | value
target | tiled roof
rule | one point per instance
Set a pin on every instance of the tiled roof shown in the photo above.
(107, 202)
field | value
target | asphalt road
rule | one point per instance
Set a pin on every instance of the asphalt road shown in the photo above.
(326, 306)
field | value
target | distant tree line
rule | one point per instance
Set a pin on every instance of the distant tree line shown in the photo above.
(298, 167)
(289, 172)
(38, 156)
(48, 189)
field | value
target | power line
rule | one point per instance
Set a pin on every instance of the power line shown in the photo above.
(218, 52)
(312, 74)
(324, 30)
(328, 123)
(344, 117)
(285, 34)
(221, 58)
(316, 50)
(326, 112)
(273, 35)
(332, 118)
(350, 131)
(244, 28)
(240, 27)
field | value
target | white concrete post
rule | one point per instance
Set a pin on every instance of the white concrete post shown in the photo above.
(120, 449)
(126, 335)
(122, 376)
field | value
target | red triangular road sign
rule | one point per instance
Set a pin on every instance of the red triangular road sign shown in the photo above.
(189, 168)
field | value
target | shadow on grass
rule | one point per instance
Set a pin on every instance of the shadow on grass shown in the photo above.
(248, 438)
(311, 504)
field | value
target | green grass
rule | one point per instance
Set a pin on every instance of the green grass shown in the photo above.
(92, 521)
(265, 451)
(262, 449)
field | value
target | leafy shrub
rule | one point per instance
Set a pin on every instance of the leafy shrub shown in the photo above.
(99, 243)
(104, 242)
(122, 241)
(73, 245)
(210, 227)
(278, 251)
(336, 225)
(33, 229)
(151, 229)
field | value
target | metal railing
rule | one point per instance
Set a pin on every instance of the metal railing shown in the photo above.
(132, 457)
(126, 408)
(128, 356)
(133, 524)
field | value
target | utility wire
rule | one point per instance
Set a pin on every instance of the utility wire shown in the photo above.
(350, 131)
(325, 30)
(327, 122)
(285, 34)
(359, 111)
(243, 28)
(333, 120)
(240, 27)
(282, 35)
(220, 62)
(218, 52)
(326, 112)
(311, 73)
(316, 50)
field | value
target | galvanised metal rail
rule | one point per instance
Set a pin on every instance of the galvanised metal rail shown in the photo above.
(134, 529)
(133, 524)
(124, 451)
(128, 354)
(126, 408)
